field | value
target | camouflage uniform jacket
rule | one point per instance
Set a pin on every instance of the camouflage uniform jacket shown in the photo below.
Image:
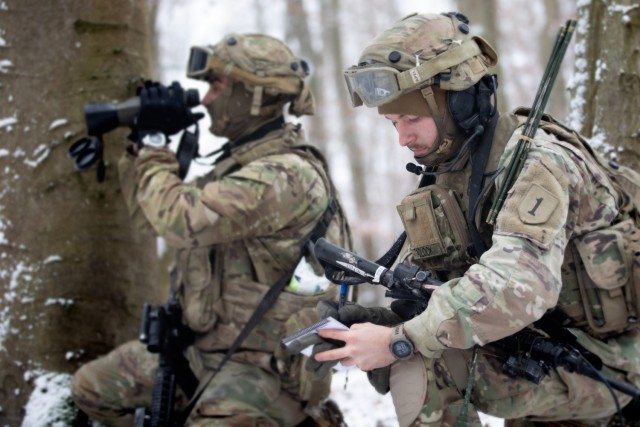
(237, 231)
(558, 198)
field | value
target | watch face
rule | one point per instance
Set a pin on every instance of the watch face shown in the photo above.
(401, 349)
(156, 140)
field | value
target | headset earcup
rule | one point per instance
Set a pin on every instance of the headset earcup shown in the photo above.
(472, 107)
(463, 108)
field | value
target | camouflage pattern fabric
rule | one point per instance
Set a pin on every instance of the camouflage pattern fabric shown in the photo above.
(422, 38)
(559, 196)
(560, 396)
(240, 395)
(237, 230)
(109, 389)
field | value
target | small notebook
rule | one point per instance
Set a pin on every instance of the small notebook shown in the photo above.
(326, 323)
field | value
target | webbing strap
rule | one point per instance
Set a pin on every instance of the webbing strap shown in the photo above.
(444, 61)
(478, 164)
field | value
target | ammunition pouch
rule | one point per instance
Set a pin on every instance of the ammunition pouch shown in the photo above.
(608, 276)
(436, 228)
(198, 289)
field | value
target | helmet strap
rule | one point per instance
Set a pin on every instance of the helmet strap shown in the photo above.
(427, 94)
(256, 103)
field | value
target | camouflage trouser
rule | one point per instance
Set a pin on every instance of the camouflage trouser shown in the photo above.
(560, 395)
(109, 389)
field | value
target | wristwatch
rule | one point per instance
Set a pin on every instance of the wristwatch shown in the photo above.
(401, 346)
(154, 140)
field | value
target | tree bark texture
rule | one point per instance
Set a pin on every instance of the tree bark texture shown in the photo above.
(607, 87)
(73, 272)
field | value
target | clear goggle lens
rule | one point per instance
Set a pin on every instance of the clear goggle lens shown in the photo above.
(372, 85)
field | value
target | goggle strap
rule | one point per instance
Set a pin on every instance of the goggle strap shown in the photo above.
(452, 57)
(287, 85)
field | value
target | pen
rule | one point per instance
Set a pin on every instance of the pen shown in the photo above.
(344, 288)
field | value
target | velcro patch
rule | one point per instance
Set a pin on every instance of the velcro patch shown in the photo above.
(537, 206)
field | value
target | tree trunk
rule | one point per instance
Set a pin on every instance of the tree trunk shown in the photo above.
(73, 273)
(606, 85)
(484, 22)
(298, 37)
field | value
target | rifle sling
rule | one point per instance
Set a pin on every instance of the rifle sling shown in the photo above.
(185, 377)
(267, 302)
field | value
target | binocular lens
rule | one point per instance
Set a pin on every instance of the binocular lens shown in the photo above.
(85, 152)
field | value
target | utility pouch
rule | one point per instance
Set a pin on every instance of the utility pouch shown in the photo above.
(608, 272)
(295, 378)
(198, 291)
(436, 228)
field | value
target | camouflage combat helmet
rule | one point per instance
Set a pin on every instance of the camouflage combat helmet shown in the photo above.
(410, 67)
(265, 76)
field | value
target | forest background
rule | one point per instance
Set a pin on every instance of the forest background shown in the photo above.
(74, 273)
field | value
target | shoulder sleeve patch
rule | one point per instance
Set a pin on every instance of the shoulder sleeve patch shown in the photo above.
(536, 207)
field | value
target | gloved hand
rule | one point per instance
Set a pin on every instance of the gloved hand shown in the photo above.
(348, 314)
(379, 379)
(319, 369)
(351, 313)
(163, 109)
(407, 309)
(337, 276)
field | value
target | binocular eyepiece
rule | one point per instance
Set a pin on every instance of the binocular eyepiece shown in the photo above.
(101, 118)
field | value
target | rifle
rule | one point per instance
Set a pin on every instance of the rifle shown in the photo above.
(403, 283)
(532, 354)
(162, 331)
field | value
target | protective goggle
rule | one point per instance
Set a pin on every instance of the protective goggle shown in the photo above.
(203, 63)
(198, 65)
(372, 85)
(376, 84)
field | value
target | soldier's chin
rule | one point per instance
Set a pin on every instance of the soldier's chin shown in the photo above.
(427, 159)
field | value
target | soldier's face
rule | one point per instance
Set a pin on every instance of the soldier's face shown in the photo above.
(217, 85)
(417, 133)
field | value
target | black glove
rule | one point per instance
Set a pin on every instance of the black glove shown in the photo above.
(407, 309)
(351, 313)
(163, 109)
(348, 314)
(337, 276)
(319, 369)
(379, 379)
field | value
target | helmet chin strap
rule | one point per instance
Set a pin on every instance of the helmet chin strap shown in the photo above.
(256, 102)
(428, 95)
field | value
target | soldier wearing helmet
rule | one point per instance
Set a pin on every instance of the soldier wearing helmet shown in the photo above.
(239, 231)
(556, 261)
